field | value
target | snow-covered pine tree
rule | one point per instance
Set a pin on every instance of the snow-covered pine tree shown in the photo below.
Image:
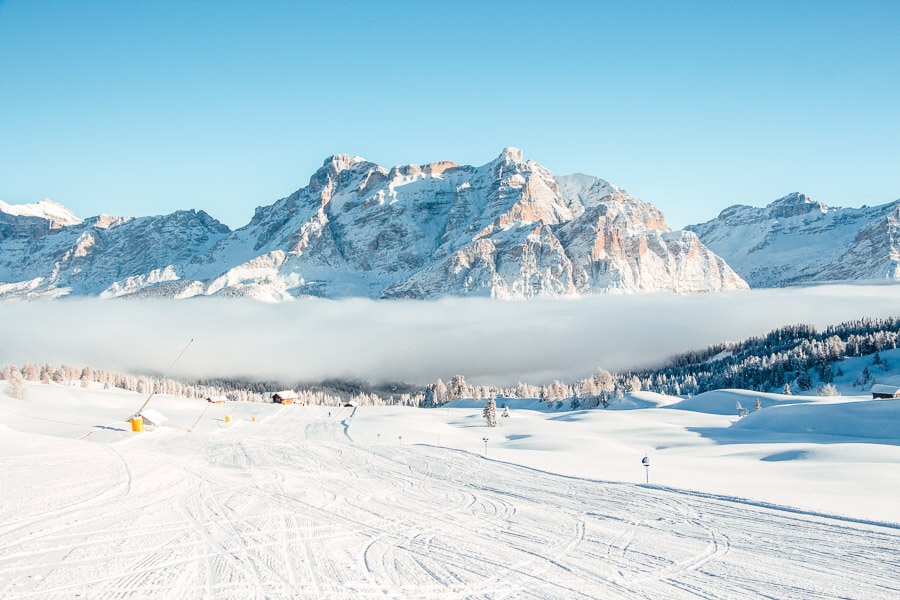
(440, 392)
(827, 389)
(804, 382)
(31, 372)
(8, 372)
(15, 385)
(490, 413)
(457, 388)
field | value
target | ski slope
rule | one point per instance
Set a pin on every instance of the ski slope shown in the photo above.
(390, 502)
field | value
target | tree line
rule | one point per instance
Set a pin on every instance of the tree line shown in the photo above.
(783, 360)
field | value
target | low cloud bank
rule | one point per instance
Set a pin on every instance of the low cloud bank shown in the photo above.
(414, 341)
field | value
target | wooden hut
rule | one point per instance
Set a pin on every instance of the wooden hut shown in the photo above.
(880, 390)
(284, 397)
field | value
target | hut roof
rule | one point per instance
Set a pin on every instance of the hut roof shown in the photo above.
(890, 390)
(154, 417)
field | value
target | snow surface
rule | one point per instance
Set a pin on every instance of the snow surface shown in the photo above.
(45, 209)
(396, 502)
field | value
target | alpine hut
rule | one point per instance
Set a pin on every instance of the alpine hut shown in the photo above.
(284, 397)
(880, 390)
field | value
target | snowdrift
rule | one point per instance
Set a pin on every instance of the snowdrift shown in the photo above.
(724, 402)
(874, 420)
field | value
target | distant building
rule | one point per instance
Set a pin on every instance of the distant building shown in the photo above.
(216, 399)
(285, 397)
(880, 390)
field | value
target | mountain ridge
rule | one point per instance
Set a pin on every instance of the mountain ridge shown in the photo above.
(796, 240)
(508, 229)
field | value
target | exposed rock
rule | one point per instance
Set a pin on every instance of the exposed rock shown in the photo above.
(796, 240)
(509, 229)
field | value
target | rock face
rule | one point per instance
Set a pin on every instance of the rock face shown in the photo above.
(509, 229)
(796, 240)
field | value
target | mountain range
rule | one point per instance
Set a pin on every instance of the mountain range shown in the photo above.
(509, 229)
(796, 240)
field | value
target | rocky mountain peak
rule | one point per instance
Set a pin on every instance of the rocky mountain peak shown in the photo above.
(335, 168)
(507, 229)
(511, 155)
(796, 240)
(794, 205)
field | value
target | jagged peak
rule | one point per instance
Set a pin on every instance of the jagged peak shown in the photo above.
(103, 221)
(336, 164)
(794, 204)
(793, 198)
(342, 162)
(511, 155)
(429, 169)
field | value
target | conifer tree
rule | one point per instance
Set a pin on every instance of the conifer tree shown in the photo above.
(15, 385)
(490, 413)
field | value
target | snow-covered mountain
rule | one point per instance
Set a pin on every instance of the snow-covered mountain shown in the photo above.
(102, 255)
(508, 229)
(797, 240)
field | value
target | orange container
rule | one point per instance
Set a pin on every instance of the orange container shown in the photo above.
(137, 424)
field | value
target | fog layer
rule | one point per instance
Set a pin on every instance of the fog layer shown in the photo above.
(414, 341)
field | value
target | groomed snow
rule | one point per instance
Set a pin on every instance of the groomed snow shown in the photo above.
(395, 502)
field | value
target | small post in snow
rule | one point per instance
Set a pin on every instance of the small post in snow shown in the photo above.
(485, 440)
(646, 462)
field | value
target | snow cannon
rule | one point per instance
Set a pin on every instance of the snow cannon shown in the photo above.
(147, 419)
(137, 423)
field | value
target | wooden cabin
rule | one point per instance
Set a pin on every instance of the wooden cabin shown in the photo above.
(216, 399)
(284, 397)
(880, 390)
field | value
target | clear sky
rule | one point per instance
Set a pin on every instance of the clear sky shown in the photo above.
(140, 108)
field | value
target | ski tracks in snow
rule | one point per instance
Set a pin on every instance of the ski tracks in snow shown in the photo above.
(294, 508)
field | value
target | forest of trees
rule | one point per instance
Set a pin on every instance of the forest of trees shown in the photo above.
(784, 360)
(784, 357)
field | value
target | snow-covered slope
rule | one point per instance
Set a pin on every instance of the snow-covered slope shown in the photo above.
(507, 229)
(797, 240)
(33, 220)
(396, 502)
(57, 215)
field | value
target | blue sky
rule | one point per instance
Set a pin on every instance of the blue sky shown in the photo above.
(139, 108)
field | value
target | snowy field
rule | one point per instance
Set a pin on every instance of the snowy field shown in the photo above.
(797, 500)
